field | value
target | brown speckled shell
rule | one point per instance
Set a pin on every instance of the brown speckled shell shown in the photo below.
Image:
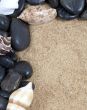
(5, 45)
(38, 14)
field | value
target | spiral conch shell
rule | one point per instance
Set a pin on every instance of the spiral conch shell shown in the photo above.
(21, 99)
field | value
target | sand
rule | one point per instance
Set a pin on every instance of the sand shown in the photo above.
(58, 54)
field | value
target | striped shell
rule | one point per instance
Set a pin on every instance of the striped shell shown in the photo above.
(5, 45)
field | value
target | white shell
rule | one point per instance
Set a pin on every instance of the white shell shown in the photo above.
(14, 107)
(22, 97)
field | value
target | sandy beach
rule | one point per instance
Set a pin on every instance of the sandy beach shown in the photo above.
(58, 55)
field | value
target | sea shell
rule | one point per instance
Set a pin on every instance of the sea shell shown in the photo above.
(21, 98)
(14, 107)
(5, 45)
(38, 14)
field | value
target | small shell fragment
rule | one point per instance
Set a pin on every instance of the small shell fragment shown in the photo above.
(38, 14)
(5, 45)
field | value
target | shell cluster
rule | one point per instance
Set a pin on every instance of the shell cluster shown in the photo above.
(21, 99)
